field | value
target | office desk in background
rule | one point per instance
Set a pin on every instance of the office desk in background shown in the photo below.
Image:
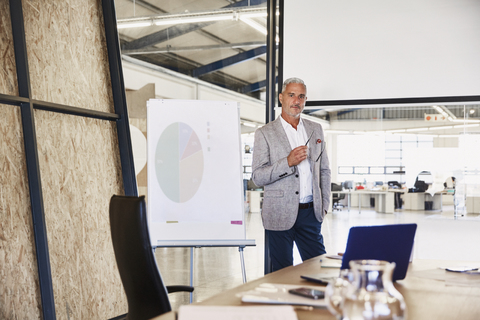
(473, 204)
(417, 201)
(425, 298)
(384, 200)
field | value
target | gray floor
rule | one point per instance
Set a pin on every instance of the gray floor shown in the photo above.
(439, 236)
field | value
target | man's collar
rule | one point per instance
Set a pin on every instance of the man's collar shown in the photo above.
(285, 124)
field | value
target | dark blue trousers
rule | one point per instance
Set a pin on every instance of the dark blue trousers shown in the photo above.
(306, 232)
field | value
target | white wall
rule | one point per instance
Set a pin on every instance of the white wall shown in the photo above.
(374, 49)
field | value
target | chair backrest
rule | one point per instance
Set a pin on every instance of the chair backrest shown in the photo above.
(394, 184)
(146, 293)
(336, 187)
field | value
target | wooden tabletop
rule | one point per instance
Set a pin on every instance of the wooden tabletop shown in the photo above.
(425, 298)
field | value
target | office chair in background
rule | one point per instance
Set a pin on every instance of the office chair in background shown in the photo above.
(336, 197)
(398, 196)
(146, 293)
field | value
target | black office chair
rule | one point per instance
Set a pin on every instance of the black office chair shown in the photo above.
(336, 197)
(398, 196)
(146, 293)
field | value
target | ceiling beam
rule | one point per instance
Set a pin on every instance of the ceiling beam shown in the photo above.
(164, 35)
(152, 50)
(256, 86)
(178, 30)
(230, 61)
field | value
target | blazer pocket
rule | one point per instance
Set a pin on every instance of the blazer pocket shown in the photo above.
(273, 194)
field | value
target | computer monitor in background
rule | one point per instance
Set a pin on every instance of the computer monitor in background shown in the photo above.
(425, 176)
(394, 185)
(348, 184)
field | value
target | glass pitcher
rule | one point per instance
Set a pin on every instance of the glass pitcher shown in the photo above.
(335, 293)
(372, 294)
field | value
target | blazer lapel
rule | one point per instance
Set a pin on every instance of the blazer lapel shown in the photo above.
(309, 129)
(312, 146)
(282, 136)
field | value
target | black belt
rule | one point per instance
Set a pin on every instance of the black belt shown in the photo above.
(305, 205)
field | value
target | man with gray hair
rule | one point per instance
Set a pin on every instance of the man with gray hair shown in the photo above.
(290, 162)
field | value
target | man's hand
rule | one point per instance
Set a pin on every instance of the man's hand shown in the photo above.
(297, 155)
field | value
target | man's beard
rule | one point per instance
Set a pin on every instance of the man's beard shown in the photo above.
(295, 115)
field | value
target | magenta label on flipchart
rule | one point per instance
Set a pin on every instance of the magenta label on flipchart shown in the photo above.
(236, 222)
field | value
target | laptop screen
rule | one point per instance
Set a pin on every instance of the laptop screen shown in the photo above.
(392, 243)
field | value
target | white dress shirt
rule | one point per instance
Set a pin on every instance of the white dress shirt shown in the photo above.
(299, 138)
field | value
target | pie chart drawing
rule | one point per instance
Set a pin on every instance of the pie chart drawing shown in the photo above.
(179, 162)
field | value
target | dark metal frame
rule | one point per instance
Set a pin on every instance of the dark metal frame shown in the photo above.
(271, 60)
(270, 98)
(28, 105)
(281, 7)
(394, 101)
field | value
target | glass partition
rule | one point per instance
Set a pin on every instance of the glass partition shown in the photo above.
(220, 42)
(417, 149)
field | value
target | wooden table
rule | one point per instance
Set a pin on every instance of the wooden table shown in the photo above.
(426, 298)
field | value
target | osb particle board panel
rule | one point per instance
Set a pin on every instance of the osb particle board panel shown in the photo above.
(80, 171)
(19, 290)
(67, 53)
(8, 78)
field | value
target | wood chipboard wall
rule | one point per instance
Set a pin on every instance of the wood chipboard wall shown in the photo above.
(19, 290)
(67, 53)
(79, 165)
(8, 75)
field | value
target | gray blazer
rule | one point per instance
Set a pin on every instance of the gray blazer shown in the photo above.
(281, 183)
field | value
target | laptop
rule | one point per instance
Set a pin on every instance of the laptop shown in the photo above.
(393, 243)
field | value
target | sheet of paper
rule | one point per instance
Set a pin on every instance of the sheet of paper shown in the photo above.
(190, 312)
(274, 293)
(330, 263)
(450, 278)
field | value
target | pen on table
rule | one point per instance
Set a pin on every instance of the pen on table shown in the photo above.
(306, 143)
(306, 308)
(472, 272)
